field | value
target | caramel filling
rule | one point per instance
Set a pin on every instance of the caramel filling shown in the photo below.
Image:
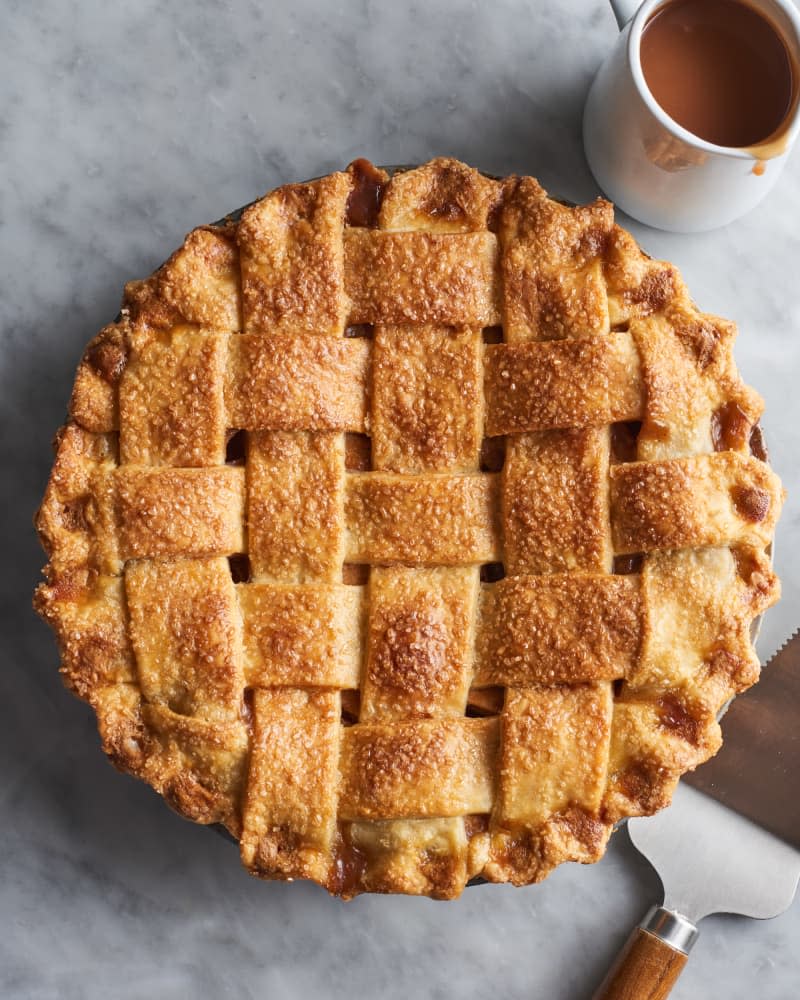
(364, 202)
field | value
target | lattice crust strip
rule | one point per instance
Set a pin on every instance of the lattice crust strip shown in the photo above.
(412, 528)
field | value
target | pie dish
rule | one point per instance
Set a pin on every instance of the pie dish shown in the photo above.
(411, 527)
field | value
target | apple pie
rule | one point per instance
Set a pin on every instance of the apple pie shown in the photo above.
(411, 527)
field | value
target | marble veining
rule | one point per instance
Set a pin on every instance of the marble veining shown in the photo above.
(124, 125)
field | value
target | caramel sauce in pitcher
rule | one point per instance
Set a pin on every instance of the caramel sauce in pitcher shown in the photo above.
(720, 69)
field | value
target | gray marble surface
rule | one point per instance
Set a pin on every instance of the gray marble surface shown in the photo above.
(121, 127)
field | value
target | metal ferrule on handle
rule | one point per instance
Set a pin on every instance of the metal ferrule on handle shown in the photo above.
(670, 927)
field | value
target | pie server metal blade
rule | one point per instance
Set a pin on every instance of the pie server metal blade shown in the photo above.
(757, 770)
(730, 842)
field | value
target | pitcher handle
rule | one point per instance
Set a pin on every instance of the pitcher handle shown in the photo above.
(624, 10)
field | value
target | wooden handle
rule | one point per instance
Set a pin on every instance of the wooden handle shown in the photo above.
(646, 969)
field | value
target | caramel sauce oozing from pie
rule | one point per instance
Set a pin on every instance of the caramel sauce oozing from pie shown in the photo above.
(236, 448)
(492, 572)
(674, 715)
(439, 207)
(351, 707)
(357, 452)
(493, 454)
(730, 427)
(475, 823)
(355, 574)
(240, 568)
(246, 710)
(493, 219)
(485, 701)
(625, 565)
(364, 201)
(623, 440)
(363, 330)
(349, 866)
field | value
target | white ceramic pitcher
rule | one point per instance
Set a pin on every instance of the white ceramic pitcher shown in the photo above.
(655, 169)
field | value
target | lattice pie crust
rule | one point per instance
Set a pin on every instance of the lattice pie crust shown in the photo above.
(411, 528)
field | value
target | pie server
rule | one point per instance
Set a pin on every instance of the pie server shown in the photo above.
(730, 842)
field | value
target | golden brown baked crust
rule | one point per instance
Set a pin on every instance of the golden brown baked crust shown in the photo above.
(410, 528)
